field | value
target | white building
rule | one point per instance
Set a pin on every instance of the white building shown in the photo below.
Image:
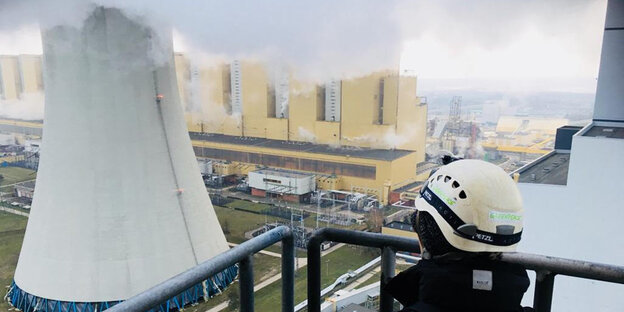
(581, 218)
(205, 165)
(282, 181)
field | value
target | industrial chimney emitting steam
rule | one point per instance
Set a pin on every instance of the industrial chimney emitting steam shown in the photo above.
(119, 205)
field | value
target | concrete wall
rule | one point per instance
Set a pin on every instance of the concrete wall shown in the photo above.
(580, 221)
(30, 73)
(411, 118)
(183, 76)
(396, 232)
(303, 111)
(135, 181)
(609, 92)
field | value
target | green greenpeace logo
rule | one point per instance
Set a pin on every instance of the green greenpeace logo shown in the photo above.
(449, 201)
(505, 216)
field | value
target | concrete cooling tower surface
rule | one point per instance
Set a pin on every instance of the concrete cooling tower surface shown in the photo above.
(119, 205)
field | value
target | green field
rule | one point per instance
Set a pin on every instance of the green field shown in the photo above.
(234, 222)
(333, 265)
(264, 267)
(16, 174)
(12, 233)
(11, 236)
(246, 205)
(269, 297)
(377, 276)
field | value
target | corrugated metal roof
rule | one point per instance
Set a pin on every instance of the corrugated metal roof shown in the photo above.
(357, 152)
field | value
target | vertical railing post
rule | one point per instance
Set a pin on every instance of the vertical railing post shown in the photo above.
(288, 273)
(246, 282)
(314, 274)
(544, 283)
(388, 261)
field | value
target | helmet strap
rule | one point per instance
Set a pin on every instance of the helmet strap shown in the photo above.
(456, 223)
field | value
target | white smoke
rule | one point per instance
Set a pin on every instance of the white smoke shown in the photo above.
(324, 39)
(28, 107)
(387, 140)
(306, 135)
(467, 149)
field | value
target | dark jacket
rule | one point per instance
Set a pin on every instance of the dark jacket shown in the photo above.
(444, 286)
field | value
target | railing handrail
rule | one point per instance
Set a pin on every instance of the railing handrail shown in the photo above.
(546, 267)
(239, 254)
(562, 266)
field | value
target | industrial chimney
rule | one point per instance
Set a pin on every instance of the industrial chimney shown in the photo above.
(120, 205)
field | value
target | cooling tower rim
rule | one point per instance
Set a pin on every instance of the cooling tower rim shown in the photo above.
(26, 302)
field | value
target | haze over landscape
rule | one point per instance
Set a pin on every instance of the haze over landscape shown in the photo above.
(228, 119)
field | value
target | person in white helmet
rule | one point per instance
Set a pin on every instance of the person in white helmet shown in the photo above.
(468, 212)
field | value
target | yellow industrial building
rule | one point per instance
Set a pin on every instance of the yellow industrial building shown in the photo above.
(18, 75)
(380, 110)
(398, 228)
(524, 135)
(365, 134)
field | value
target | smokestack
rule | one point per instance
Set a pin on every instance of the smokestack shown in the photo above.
(120, 205)
(609, 105)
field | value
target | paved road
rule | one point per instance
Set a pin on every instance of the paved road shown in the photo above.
(17, 183)
(300, 263)
(219, 306)
(363, 279)
(14, 211)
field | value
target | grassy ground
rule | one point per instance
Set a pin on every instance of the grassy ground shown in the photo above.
(377, 276)
(12, 233)
(269, 298)
(334, 264)
(243, 204)
(16, 174)
(261, 208)
(235, 222)
(11, 236)
(264, 267)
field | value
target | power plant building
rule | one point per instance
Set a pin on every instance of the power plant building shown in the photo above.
(365, 133)
(20, 74)
(361, 133)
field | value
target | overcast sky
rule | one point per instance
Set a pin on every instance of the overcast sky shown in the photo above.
(479, 40)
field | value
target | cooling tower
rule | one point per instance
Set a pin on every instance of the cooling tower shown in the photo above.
(119, 204)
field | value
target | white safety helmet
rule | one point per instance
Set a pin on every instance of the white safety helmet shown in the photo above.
(476, 205)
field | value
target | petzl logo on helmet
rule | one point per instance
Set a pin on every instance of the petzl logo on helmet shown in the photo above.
(484, 237)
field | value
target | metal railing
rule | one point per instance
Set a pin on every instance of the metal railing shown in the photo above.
(546, 269)
(241, 254)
